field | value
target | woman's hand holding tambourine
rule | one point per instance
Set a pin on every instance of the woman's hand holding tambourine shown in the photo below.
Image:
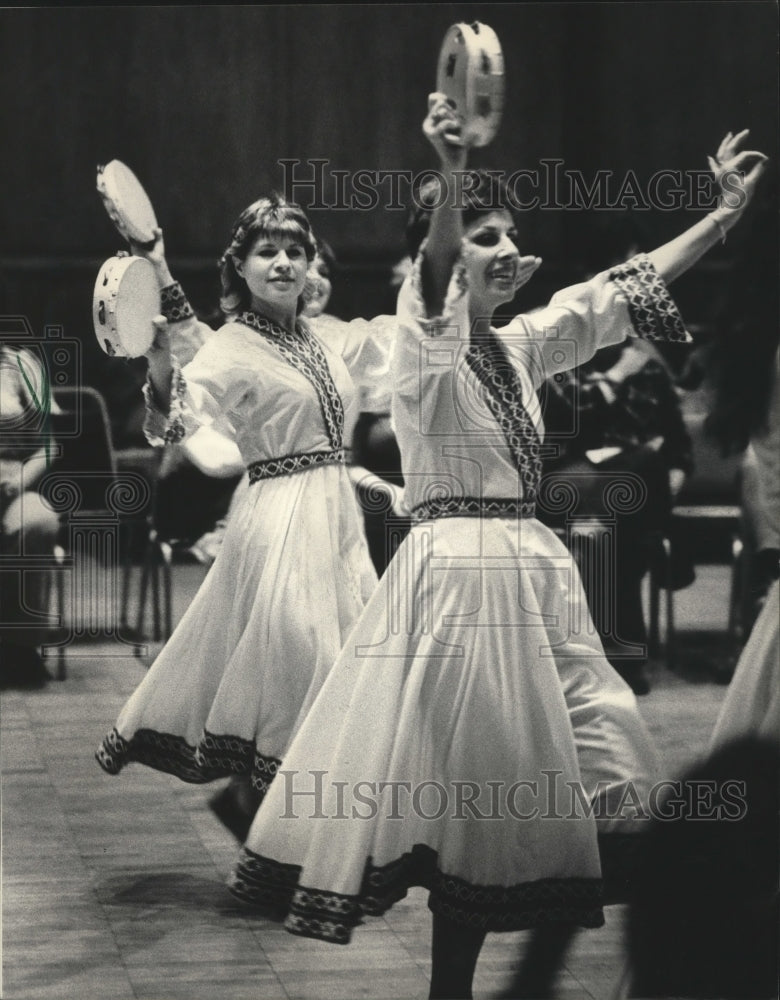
(154, 252)
(443, 129)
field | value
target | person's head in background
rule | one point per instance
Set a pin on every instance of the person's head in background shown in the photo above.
(265, 264)
(319, 280)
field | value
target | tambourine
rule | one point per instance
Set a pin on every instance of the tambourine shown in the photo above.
(125, 302)
(471, 75)
(126, 202)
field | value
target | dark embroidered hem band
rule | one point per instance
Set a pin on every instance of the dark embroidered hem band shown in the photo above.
(214, 757)
(331, 916)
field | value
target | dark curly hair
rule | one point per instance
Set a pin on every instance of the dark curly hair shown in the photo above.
(481, 192)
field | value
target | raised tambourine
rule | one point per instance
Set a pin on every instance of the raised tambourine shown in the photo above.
(126, 202)
(124, 305)
(471, 75)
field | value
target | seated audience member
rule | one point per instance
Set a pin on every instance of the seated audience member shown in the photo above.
(28, 526)
(624, 449)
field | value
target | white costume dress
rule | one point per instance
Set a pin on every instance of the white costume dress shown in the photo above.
(472, 721)
(225, 694)
(752, 703)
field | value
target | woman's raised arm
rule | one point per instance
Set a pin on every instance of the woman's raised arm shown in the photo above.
(443, 130)
(737, 175)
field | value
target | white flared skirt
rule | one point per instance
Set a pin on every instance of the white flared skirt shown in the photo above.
(227, 692)
(471, 738)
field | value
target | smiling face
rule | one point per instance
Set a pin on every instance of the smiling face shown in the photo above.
(492, 260)
(274, 270)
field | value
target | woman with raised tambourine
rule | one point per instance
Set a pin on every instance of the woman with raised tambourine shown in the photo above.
(225, 694)
(472, 738)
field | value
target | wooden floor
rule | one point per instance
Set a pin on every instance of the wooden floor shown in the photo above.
(114, 887)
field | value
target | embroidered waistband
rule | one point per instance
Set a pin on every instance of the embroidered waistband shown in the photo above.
(473, 507)
(290, 464)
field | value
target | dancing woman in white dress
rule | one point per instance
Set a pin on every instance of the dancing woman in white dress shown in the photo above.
(226, 693)
(470, 728)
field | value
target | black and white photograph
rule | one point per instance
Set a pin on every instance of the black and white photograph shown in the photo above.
(390, 501)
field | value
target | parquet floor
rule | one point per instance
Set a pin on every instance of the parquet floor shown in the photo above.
(114, 888)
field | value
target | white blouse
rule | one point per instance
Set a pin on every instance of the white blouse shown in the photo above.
(275, 393)
(465, 410)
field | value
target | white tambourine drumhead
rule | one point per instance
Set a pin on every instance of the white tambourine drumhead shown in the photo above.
(125, 302)
(471, 74)
(126, 202)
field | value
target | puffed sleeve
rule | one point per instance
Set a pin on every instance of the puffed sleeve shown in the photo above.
(415, 328)
(628, 300)
(365, 346)
(412, 315)
(203, 393)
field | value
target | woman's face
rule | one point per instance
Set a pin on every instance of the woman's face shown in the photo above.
(492, 259)
(319, 287)
(274, 270)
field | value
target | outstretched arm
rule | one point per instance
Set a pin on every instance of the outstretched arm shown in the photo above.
(737, 175)
(442, 128)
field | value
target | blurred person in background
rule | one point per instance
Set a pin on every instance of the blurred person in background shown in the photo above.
(28, 526)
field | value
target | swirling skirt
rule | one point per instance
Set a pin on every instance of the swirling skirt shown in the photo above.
(228, 690)
(461, 742)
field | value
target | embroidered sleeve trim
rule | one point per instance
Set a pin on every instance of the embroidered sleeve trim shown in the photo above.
(174, 304)
(654, 314)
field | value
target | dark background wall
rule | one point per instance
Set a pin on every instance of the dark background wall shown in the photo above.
(203, 102)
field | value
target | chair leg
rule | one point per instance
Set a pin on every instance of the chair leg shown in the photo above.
(671, 638)
(167, 581)
(735, 621)
(59, 555)
(653, 639)
(128, 535)
(155, 564)
(146, 570)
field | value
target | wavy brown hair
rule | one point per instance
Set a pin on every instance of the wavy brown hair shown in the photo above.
(270, 217)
